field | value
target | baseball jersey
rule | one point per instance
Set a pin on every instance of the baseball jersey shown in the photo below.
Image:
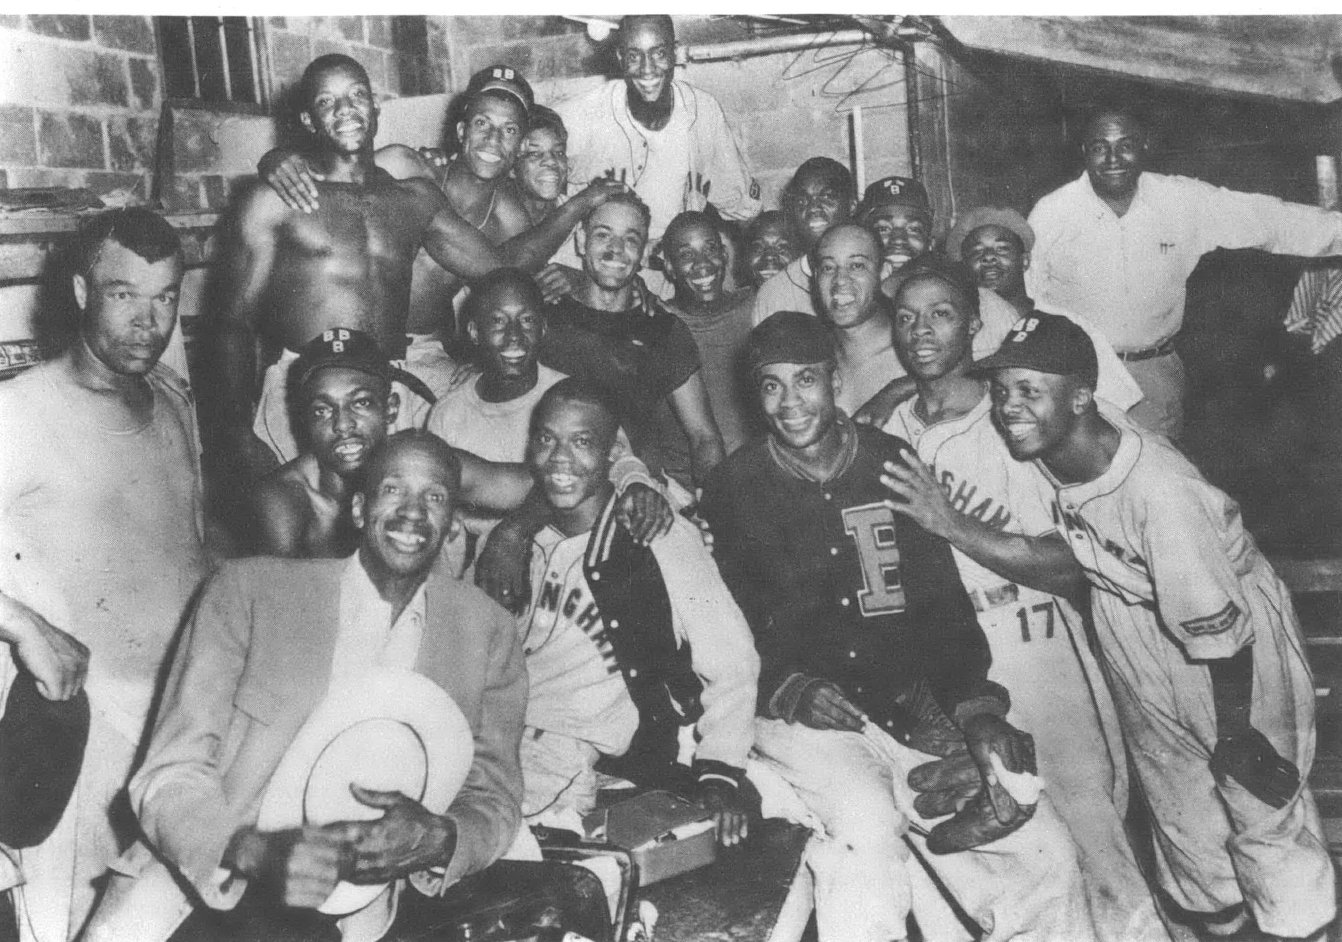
(835, 586)
(1040, 654)
(640, 356)
(1129, 273)
(1152, 531)
(1179, 581)
(577, 687)
(670, 175)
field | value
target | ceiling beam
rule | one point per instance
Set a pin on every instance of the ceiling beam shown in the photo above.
(1281, 57)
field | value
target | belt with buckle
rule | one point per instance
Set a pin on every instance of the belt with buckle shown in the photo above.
(985, 599)
(1150, 353)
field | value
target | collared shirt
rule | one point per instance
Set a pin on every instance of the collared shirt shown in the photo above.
(604, 137)
(367, 637)
(1128, 273)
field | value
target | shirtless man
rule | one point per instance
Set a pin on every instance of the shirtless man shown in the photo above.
(495, 114)
(285, 276)
(342, 392)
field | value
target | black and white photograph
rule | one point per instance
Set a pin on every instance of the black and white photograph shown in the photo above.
(670, 477)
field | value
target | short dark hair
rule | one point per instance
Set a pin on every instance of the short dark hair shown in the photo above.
(1117, 108)
(573, 389)
(830, 233)
(140, 230)
(416, 438)
(629, 198)
(824, 166)
(691, 217)
(933, 266)
(502, 278)
(661, 20)
(321, 64)
(543, 118)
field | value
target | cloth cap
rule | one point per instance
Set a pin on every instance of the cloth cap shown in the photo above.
(355, 350)
(41, 750)
(387, 730)
(954, 273)
(895, 191)
(1002, 216)
(502, 78)
(1049, 343)
(789, 337)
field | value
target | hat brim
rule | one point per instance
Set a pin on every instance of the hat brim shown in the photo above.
(423, 747)
(1004, 359)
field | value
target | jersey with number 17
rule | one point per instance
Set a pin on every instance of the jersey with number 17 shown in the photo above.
(834, 585)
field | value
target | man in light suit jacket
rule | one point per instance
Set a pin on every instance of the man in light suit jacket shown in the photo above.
(266, 640)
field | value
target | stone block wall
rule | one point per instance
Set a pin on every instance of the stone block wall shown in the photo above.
(79, 99)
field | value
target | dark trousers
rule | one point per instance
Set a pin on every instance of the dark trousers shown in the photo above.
(496, 904)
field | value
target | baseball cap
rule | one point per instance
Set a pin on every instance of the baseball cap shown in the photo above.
(502, 78)
(1002, 216)
(789, 337)
(355, 350)
(1049, 343)
(895, 191)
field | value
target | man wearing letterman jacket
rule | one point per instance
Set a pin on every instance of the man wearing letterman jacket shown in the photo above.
(625, 644)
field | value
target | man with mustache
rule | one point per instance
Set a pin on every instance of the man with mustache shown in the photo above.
(103, 539)
(1118, 243)
(615, 335)
(667, 139)
(266, 641)
(872, 664)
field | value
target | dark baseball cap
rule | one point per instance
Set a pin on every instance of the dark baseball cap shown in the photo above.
(502, 78)
(789, 337)
(1049, 343)
(895, 191)
(355, 350)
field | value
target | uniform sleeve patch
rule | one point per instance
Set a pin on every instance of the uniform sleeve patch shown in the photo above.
(1214, 624)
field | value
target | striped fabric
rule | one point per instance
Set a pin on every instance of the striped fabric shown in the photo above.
(1316, 306)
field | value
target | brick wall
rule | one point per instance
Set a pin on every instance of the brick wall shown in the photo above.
(79, 98)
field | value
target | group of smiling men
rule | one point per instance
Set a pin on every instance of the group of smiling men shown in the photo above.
(924, 474)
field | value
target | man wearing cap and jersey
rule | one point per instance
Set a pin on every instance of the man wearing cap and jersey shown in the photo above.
(667, 139)
(872, 664)
(1197, 634)
(996, 512)
(267, 639)
(1118, 243)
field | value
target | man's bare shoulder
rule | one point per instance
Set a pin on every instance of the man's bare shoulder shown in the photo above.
(290, 491)
(403, 162)
(253, 201)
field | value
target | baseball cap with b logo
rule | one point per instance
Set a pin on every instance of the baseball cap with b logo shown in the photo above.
(895, 191)
(1049, 343)
(355, 350)
(502, 78)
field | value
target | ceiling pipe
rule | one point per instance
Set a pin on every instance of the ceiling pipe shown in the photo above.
(745, 48)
